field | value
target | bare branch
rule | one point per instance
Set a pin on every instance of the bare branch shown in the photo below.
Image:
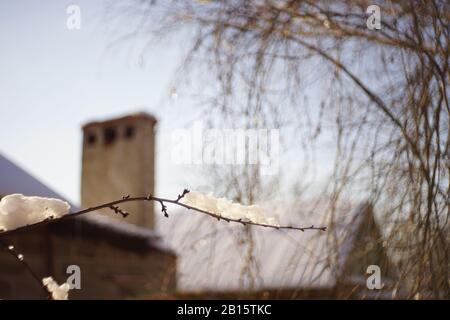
(21, 259)
(113, 205)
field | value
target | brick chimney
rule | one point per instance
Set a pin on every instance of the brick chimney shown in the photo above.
(118, 160)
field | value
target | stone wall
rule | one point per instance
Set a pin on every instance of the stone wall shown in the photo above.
(107, 272)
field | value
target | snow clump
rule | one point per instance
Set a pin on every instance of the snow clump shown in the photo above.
(17, 210)
(58, 292)
(228, 209)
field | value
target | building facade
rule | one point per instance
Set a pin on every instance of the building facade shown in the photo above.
(118, 258)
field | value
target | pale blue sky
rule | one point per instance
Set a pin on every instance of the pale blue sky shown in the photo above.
(52, 80)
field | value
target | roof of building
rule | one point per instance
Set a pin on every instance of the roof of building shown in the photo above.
(14, 179)
(212, 255)
(127, 118)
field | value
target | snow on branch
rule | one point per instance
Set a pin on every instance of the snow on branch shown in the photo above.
(17, 210)
(58, 292)
(224, 209)
(228, 209)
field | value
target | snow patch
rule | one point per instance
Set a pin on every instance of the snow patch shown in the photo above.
(228, 209)
(59, 292)
(17, 210)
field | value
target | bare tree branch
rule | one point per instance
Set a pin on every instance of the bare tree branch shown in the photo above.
(113, 205)
(21, 259)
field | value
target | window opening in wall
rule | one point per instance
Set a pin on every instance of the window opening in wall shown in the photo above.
(91, 138)
(109, 135)
(129, 132)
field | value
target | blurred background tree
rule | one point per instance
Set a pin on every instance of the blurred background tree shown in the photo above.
(381, 96)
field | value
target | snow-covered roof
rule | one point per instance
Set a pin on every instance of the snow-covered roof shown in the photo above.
(212, 255)
(14, 179)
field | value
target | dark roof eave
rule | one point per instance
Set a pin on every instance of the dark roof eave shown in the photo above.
(86, 228)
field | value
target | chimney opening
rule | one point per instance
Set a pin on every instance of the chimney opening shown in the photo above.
(91, 138)
(109, 135)
(129, 132)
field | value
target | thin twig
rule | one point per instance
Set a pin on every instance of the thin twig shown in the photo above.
(163, 202)
(114, 206)
(21, 259)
